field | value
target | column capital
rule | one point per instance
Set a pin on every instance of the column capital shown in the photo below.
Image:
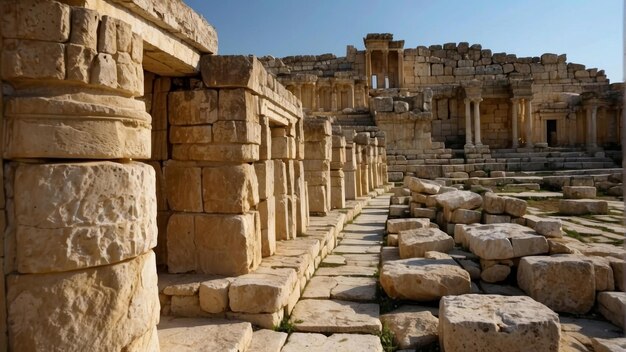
(467, 100)
(516, 99)
(476, 100)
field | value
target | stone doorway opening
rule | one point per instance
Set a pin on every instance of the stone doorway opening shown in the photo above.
(551, 133)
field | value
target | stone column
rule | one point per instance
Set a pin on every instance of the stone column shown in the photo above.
(318, 154)
(368, 67)
(385, 66)
(80, 215)
(338, 187)
(351, 96)
(477, 142)
(529, 123)
(298, 91)
(514, 116)
(400, 68)
(349, 167)
(468, 123)
(333, 98)
(592, 112)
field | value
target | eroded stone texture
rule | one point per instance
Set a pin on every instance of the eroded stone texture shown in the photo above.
(73, 216)
(312, 315)
(424, 279)
(299, 342)
(412, 327)
(190, 335)
(497, 323)
(264, 291)
(415, 243)
(501, 241)
(92, 305)
(565, 284)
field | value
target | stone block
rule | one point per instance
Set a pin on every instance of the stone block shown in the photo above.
(423, 186)
(396, 225)
(412, 327)
(267, 211)
(582, 206)
(231, 153)
(35, 20)
(464, 216)
(496, 219)
(264, 291)
(493, 204)
(79, 215)
(79, 60)
(579, 192)
(383, 104)
(515, 206)
(424, 279)
(27, 59)
(336, 342)
(565, 284)
(549, 228)
(229, 189)
(237, 132)
(428, 213)
(612, 306)
(195, 107)
(459, 200)
(117, 304)
(183, 186)
(400, 107)
(214, 243)
(502, 241)
(492, 323)
(415, 243)
(190, 134)
(265, 176)
(318, 203)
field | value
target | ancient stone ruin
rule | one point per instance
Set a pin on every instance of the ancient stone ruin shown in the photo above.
(160, 197)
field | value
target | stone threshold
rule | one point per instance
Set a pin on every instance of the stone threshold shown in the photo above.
(265, 296)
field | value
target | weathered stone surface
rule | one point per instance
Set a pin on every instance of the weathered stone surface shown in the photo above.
(423, 186)
(229, 189)
(495, 273)
(583, 206)
(579, 192)
(465, 216)
(330, 316)
(459, 200)
(609, 345)
(265, 340)
(183, 186)
(341, 287)
(81, 215)
(183, 107)
(299, 342)
(213, 295)
(397, 225)
(515, 206)
(264, 291)
(497, 323)
(262, 320)
(412, 327)
(214, 243)
(190, 335)
(549, 228)
(415, 243)
(564, 284)
(612, 306)
(493, 204)
(104, 306)
(424, 279)
(502, 241)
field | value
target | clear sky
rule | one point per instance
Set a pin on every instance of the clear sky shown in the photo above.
(589, 31)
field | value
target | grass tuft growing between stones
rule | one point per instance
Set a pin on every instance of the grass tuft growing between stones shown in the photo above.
(286, 326)
(386, 339)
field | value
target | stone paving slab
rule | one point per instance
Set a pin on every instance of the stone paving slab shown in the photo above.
(265, 340)
(341, 248)
(346, 270)
(299, 342)
(342, 288)
(192, 335)
(333, 316)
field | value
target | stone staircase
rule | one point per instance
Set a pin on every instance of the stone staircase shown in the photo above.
(523, 159)
(210, 313)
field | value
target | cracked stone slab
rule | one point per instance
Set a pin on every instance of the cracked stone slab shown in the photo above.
(341, 287)
(299, 342)
(333, 316)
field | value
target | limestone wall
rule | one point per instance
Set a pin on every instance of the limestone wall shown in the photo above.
(80, 214)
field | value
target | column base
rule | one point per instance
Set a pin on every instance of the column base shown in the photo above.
(468, 145)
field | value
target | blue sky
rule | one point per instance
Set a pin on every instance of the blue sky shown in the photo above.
(588, 31)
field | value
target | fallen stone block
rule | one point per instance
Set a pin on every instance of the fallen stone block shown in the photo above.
(415, 243)
(423, 186)
(609, 345)
(397, 225)
(583, 207)
(565, 284)
(612, 306)
(549, 228)
(579, 192)
(459, 200)
(424, 279)
(464, 216)
(515, 206)
(502, 241)
(412, 327)
(399, 211)
(493, 323)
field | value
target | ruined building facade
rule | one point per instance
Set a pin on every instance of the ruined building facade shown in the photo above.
(432, 100)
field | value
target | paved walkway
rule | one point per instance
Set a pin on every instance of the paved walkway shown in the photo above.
(341, 296)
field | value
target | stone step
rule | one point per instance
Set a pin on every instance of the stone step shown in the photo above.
(335, 316)
(299, 342)
(196, 334)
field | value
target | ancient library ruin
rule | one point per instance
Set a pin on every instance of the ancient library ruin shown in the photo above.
(161, 197)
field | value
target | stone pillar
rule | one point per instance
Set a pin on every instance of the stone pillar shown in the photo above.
(594, 127)
(385, 66)
(318, 154)
(368, 67)
(314, 97)
(338, 189)
(349, 167)
(476, 102)
(80, 215)
(298, 91)
(362, 139)
(400, 68)
(468, 123)
(333, 98)
(351, 96)
(514, 116)
(529, 123)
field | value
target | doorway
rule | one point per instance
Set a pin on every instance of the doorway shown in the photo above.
(551, 133)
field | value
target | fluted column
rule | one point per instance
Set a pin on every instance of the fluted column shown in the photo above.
(477, 140)
(468, 124)
(529, 123)
(514, 116)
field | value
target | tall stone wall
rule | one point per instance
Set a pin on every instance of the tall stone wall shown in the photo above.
(80, 214)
